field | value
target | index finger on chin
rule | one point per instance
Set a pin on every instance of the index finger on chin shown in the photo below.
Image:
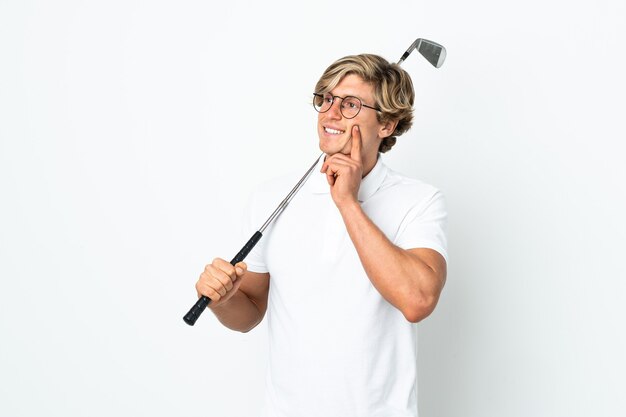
(355, 151)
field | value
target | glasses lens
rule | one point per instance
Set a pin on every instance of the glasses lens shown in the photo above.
(322, 102)
(350, 107)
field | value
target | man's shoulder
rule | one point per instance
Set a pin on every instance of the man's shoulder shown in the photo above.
(400, 185)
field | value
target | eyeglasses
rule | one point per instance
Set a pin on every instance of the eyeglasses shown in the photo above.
(349, 108)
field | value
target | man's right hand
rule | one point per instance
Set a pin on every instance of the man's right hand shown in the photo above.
(220, 281)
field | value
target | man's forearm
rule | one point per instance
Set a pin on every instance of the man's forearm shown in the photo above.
(239, 313)
(403, 279)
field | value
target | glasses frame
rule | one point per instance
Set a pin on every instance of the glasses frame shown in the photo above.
(341, 108)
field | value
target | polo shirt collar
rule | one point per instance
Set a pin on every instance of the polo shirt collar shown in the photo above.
(369, 185)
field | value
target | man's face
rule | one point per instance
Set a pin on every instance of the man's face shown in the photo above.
(335, 131)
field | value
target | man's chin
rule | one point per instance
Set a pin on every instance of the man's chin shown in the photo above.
(331, 153)
(332, 150)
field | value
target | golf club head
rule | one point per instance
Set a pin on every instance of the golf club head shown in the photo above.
(432, 51)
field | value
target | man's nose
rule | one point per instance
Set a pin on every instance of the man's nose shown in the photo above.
(335, 109)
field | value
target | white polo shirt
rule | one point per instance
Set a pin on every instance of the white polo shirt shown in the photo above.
(337, 348)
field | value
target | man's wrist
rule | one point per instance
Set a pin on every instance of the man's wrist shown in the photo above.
(349, 207)
(222, 305)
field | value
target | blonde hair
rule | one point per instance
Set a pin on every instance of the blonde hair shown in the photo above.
(393, 89)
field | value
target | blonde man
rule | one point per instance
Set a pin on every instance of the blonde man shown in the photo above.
(358, 257)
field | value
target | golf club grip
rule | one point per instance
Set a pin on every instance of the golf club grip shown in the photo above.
(198, 308)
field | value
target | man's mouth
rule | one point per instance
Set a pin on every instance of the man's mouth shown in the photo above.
(333, 131)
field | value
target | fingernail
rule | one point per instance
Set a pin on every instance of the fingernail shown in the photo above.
(239, 271)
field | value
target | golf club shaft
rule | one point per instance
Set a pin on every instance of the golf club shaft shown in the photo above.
(409, 50)
(198, 308)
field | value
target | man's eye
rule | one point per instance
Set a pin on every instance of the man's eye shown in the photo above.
(351, 104)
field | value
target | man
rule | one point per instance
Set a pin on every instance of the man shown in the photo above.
(354, 261)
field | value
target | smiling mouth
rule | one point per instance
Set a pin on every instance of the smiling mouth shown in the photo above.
(333, 131)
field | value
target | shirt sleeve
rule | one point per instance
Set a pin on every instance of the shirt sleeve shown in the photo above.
(425, 226)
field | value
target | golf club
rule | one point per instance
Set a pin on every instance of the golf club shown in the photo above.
(435, 54)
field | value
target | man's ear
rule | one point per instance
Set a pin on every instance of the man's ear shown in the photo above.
(387, 129)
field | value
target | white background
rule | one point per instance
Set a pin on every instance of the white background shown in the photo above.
(132, 131)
